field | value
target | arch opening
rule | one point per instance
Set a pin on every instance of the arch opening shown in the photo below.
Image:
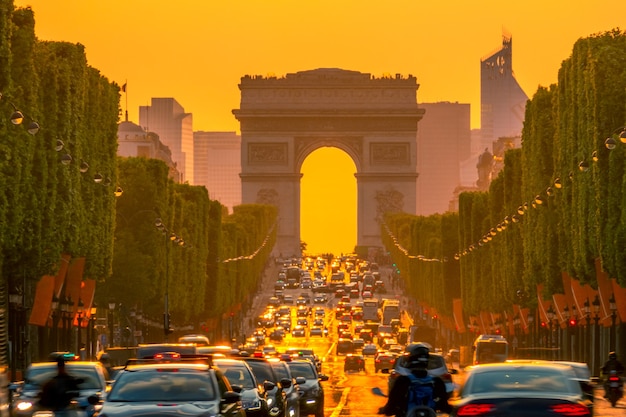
(328, 202)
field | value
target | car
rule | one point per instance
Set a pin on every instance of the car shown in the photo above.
(25, 393)
(384, 360)
(354, 363)
(316, 331)
(277, 395)
(311, 389)
(302, 301)
(292, 390)
(305, 353)
(358, 343)
(302, 322)
(197, 339)
(169, 387)
(274, 301)
(344, 346)
(277, 335)
(149, 350)
(369, 349)
(288, 299)
(298, 331)
(436, 367)
(453, 355)
(242, 380)
(529, 389)
(318, 322)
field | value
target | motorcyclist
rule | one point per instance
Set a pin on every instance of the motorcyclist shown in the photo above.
(57, 393)
(612, 364)
(416, 359)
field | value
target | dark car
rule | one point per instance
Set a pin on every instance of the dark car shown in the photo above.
(312, 392)
(292, 391)
(26, 393)
(384, 360)
(241, 378)
(518, 389)
(189, 387)
(277, 396)
(149, 350)
(344, 346)
(354, 363)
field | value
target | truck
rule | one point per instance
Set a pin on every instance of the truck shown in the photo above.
(390, 310)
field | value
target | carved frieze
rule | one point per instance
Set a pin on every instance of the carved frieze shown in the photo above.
(388, 200)
(267, 153)
(390, 153)
(328, 124)
(268, 196)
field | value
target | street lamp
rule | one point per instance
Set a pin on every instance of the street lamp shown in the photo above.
(79, 322)
(550, 315)
(92, 330)
(111, 323)
(171, 236)
(596, 332)
(613, 308)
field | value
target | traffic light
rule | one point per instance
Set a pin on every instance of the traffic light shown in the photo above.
(167, 328)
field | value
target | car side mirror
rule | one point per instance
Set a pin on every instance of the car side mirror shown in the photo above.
(268, 385)
(237, 388)
(323, 377)
(285, 382)
(230, 397)
(300, 380)
(453, 371)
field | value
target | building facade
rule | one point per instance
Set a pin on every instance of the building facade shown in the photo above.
(167, 118)
(217, 165)
(443, 142)
(502, 100)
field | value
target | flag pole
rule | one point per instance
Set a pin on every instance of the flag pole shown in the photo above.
(126, 94)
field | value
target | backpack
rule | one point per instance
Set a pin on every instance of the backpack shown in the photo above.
(421, 392)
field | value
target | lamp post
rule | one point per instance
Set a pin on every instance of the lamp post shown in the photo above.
(56, 315)
(531, 328)
(16, 330)
(568, 342)
(587, 344)
(550, 315)
(169, 237)
(79, 324)
(67, 305)
(111, 323)
(596, 332)
(613, 308)
(92, 331)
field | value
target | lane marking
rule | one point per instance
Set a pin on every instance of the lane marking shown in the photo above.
(342, 402)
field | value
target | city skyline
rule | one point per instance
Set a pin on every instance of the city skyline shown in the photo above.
(197, 54)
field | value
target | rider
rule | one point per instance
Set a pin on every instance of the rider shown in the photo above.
(416, 360)
(612, 364)
(57, 393)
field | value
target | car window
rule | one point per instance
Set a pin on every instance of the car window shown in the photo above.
(162, 385)
(520, 380)
(281, 370)
(262, 371)
(36, 377)
(304, 370)
(435, 362)
(238, 376)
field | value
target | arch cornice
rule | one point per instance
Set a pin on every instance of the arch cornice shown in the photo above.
(305, 145)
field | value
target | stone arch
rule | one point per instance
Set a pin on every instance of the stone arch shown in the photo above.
(373, 120)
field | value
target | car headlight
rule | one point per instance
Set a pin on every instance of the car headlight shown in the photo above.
(24, 405)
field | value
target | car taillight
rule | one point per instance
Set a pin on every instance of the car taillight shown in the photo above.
(474, 409)
(573, 410)
(446, 377)
(614, 378)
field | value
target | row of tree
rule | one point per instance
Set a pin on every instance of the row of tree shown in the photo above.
(558, 205)
(57, 197)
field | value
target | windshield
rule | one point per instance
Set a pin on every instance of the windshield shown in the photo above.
(520, 380)
(36, 377)
(162, 385)
(262, 371)
(304, 370)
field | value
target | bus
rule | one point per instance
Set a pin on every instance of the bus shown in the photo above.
(390, 310)
(370, 310)
(490, 348)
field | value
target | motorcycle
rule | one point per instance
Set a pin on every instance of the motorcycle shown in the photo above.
(418, 411)
(615, 388)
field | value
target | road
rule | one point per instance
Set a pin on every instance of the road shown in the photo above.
(349, 394)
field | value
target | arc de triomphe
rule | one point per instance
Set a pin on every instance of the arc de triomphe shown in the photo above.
(374, 120)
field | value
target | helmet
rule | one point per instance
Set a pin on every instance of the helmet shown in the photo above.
(612, 355)
(417, 355)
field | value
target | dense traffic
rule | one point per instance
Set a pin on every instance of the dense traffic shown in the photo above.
(326, 335)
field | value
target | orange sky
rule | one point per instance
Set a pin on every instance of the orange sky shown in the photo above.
(196, 51)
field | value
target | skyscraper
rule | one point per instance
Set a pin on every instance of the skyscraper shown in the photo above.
(217, 165)
(167, 118)
(502, 100)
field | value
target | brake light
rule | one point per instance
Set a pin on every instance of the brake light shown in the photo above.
(474, 410)
(614, 378)
(574, 410)
(166, 355)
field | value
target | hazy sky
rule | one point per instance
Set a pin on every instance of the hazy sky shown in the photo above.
(196, 51)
